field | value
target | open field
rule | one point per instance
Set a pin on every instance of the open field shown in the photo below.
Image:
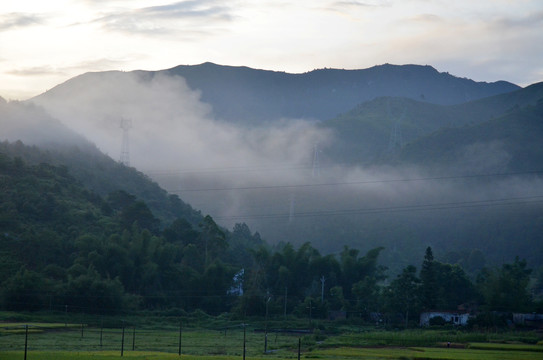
(332, 354)
(224, 341)
(424, 353)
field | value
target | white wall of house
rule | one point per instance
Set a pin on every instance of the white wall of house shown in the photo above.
(456, 318)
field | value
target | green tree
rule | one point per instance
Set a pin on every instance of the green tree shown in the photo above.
(180, 231)
(403, 294)
(506, 288)
(212, 239)
(444, 286)
(215, 283)
(454, 288)
(428, 277)
(87, 291)
(26, 290)
(139, 213)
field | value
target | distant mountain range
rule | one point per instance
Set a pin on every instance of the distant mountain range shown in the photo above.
(242, 93)
(245, 95)
(394, 128)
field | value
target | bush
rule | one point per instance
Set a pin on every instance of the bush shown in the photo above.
(437, 321)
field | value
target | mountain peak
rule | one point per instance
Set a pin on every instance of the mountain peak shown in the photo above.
(246, 95)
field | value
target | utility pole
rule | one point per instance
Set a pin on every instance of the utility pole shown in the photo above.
(122, 342)
(316, 164)
(180, 335)
(285, 311)
(26, 340)
(323, 279)
(291, 208)
(266, 330)
(310, 313)
(126, 125)
(244, 340)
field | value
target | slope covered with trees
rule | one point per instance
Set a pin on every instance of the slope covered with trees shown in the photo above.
(67, 244)
(516, 136)
(366, 133)
(63, 245)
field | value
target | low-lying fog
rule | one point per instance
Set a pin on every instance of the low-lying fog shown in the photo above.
(273, 176)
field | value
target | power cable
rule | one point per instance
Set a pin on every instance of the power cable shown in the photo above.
(362, 182)
(423, 207)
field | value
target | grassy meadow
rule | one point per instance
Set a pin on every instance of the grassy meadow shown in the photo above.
(223, 340)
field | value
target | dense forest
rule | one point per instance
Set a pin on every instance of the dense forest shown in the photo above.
(455, 169)
(63, 245)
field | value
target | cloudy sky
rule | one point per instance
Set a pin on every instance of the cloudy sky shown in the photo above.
(44, 43)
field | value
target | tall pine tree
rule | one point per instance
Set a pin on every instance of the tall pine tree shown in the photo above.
(428, 277)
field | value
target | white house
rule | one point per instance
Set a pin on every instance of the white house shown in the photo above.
(453, 317)
(531, 320)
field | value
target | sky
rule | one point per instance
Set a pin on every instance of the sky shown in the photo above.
(44, 43)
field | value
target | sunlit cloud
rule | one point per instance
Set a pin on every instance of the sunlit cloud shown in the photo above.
(19, 20)
(189, 9)
(170, 18)
(483, 40)
(35, 71)
(46, 70)
(354, 4)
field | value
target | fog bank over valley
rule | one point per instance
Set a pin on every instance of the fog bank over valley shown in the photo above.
(278, 176)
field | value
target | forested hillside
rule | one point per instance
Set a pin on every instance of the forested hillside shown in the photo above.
(56, 144)
(346, 207)
(64, 245)
(339, 182)
(511, 143)
(376, 130)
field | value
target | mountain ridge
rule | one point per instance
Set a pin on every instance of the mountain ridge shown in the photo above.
(245, 95)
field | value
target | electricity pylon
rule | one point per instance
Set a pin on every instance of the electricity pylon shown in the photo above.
(395, 142)
(126, 125)
(316, 163)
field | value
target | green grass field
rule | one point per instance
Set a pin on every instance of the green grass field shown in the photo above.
(424, 353)
(72, 341)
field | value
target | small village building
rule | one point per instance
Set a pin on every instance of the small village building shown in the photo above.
(530, 320)
(453, 317)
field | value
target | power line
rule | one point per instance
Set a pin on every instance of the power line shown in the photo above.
(423, 207)
(362, 182)
(228, 169)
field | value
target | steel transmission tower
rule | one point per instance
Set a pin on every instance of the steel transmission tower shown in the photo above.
(316, 164)
(396, 139)
(126, 125)
(291, 208)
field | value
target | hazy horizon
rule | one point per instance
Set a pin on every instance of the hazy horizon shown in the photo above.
(45, 44)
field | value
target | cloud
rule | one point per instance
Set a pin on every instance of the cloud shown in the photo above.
(31, 125)
(348, 7)
(359, 4)
(85, 66)
(19, 20)
(189, 9)
(172, 128)
(527, 21)
(36, 71)
(196, 18)
(263, 175)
